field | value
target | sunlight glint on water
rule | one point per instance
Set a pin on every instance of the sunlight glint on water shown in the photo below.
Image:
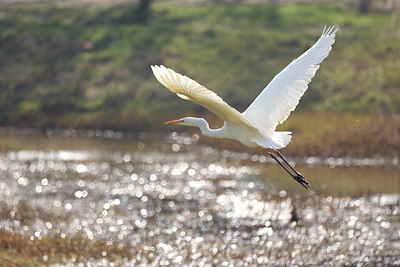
(172, 201)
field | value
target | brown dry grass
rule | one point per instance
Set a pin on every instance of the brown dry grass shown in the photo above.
(19, 250)
(348, 134)
(335, 135)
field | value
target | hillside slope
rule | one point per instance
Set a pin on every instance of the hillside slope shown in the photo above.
(82, 67)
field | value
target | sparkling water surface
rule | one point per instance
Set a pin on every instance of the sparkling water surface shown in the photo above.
(168, 200)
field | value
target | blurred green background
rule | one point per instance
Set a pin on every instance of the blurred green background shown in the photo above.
(87, 65)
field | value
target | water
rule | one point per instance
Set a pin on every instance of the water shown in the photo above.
(110, 198)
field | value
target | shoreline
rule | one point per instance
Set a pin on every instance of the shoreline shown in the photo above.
(251, 155)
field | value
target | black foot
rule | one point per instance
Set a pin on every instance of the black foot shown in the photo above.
(300, 179)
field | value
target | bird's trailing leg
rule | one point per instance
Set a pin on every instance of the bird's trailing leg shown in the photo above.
(297, 176)
(281, 156)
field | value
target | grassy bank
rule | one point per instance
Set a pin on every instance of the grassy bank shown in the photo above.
(84, 67)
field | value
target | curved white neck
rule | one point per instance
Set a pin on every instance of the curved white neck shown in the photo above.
(202, 124)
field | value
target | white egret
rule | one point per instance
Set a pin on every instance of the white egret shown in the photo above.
(256, 126)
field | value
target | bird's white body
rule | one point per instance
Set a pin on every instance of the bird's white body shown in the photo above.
(241, 132)
(248, 136)
(256, 126)
(235, 131)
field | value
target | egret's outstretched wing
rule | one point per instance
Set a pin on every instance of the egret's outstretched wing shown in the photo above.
(283, 93)
(189, 89)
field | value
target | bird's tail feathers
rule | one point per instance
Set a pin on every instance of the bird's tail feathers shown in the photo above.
(277, 141)
(281, 139)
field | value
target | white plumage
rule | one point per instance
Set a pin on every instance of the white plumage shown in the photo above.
(256, 125)
(283, 93)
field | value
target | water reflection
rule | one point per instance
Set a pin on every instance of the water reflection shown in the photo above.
(168, 200)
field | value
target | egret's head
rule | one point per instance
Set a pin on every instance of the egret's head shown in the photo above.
(187, 121)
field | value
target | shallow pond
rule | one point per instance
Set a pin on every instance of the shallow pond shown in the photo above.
(168, 200)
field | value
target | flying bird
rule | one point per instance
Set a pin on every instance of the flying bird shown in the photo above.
(256, 126)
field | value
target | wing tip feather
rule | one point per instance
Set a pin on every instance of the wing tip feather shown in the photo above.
(330, 31)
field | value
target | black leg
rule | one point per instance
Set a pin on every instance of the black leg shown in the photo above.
(275, 158)
(298, 177)
(281, 156)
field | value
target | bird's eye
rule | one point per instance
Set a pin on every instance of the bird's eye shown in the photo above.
(182, 121)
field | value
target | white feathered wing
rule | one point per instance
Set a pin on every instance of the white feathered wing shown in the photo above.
(189, 89)
(281, 96)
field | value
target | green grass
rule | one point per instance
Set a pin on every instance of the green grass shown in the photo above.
(70, 67)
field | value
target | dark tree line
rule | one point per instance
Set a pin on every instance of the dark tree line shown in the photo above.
(364, 6)
(143, 11)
